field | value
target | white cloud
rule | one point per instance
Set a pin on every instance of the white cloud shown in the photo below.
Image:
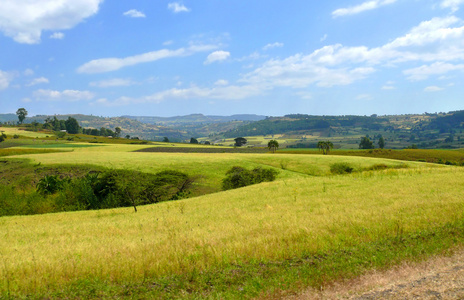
(177, 7)
(112, 64)
(273, 45)
(66, 95)
(57, 36)
(221, 82)
(324, 38)
(167, 43)
(438, 68)
(24, 21)
(388, 87)
(38, 80)
(28, 72)
(368, 5)
(452, 4)
(5, 79)
(133, 13)
(112, 83)
(217, 56)
(433, 89)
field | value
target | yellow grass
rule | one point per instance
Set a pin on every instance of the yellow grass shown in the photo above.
(11, 131)
(275, 220)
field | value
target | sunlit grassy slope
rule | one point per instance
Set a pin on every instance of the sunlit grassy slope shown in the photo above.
(292, 217)
(210, 166)
(11, 131)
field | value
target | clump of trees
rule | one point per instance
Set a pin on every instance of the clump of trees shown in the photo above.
(273, 145)
(341, 168)
(325, 146)
(240, 141)
(101, 189)
(238, 177)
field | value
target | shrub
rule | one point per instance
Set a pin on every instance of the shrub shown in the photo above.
(239, 177)
(341, 168)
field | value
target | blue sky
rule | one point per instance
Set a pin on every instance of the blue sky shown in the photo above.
(224, 57)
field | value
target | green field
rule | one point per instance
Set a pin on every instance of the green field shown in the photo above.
(307, 228)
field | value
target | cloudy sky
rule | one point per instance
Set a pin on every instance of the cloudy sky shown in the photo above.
(268, 57)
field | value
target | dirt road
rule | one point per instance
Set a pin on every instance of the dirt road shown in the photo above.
(438, 278)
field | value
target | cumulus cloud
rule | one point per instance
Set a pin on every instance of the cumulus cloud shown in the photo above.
(452, 4)
(217, 56)
(24, 21)
(38, 80)
(57, 36)
(425, 71)
(433, 89)
(66, 95)
(368, 5)
(5, 79)
(112, 64)
(177, 7)
(273, 45)
(133, 13)
(221, 82)
(115, 82)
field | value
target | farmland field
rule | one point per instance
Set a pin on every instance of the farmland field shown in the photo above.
(308, 228)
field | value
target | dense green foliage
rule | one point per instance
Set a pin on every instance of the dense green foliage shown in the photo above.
(341, 168)
(95, 190)
(239, 177)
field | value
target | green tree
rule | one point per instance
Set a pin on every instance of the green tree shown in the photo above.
(193, 141)
(325, 146)
(381, 142)
(366, 143)
(117, 132)
(240, 141)
(21, 113)
(2, 136)
(72, 126)
(273, 145)
(165, 139)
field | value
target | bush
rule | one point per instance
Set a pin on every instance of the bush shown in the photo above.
(239, 177)
(341, 168)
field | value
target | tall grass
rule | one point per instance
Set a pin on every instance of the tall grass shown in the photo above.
(288, 219)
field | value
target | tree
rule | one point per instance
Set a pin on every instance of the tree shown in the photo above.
(117, 132)
(325, 146)
(2, 136)
(72, 126)
(381, 142)
(193, 141)
(21, 113)
(366, 143)
(240, 141)
(273, 145)
(165, 139)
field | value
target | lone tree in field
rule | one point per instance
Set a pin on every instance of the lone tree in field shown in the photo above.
(193, 141)
(165, 139)
(325, 146)
(117, 132)
(240, 141)
(381, 142)
(21, 113)
(273, 145)
(366, 143)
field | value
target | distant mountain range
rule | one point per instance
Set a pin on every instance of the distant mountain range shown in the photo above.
(437, 130)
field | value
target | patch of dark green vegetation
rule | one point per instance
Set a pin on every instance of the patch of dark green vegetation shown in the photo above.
(341, 168)
(238, 177)
(37, 190)
(204, 150)
(269, 279)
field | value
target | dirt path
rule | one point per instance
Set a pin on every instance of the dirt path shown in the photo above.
(438, 278)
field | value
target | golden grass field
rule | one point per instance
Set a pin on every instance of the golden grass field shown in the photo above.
(299, 213)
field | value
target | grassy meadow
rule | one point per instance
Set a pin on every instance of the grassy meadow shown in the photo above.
(307, 228)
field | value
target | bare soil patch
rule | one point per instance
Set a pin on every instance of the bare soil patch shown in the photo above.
(437, 278)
